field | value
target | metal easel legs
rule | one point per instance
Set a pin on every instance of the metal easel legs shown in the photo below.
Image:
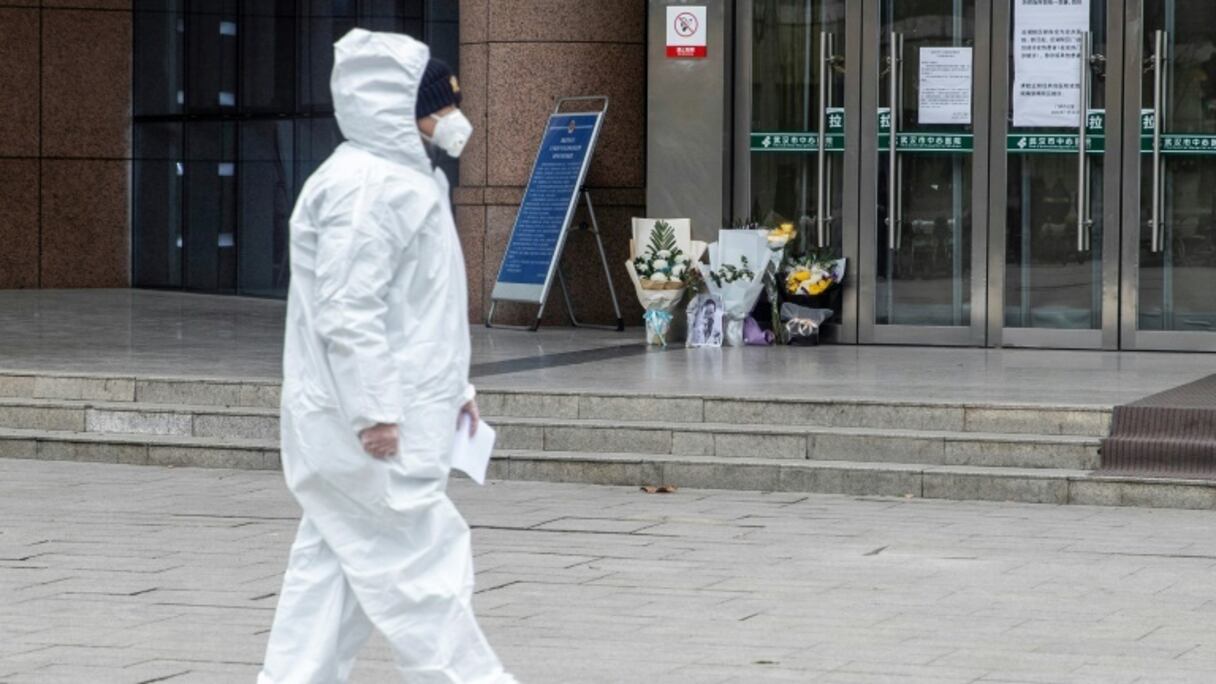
(594, 229)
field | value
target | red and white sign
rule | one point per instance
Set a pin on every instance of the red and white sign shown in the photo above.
(686, 32)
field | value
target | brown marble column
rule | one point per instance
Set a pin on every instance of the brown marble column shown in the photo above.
(517, 57)
(65, 143)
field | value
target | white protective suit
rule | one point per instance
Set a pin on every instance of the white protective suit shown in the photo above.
(377, 332)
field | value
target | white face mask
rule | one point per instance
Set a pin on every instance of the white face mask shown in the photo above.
(452, 133)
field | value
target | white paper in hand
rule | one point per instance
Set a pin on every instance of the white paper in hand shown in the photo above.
(471, 455)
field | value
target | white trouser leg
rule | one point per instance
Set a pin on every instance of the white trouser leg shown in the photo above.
(412, 572)
(319, 626)
(403, 547)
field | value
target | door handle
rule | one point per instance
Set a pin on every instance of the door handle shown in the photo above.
(826, 61)
(1083, 221)
(894, 219)
(1159, 58)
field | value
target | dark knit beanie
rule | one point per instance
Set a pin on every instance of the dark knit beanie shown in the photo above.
(439, 89)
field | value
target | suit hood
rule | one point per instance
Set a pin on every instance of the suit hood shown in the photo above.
(375, 85)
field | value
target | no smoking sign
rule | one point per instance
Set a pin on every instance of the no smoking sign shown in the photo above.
(686, 32)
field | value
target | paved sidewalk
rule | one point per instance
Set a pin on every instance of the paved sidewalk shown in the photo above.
(138, 574)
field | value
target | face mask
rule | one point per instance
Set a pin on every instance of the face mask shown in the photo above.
(452, 133)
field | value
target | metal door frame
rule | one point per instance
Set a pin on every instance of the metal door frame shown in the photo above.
(998, 334)
(846, 331)
(869, 331)
(1134, 339)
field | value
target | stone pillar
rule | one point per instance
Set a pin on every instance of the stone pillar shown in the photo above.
(65, 143)
(517, 57)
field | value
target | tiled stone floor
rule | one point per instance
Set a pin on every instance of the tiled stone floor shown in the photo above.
(121, 574)
(160, 333)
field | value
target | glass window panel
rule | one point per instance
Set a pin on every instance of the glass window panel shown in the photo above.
(267, 181)
(210, 192)
(788, 36)
(158, 63)
(1176, 279)
(1050, 282)
(157, 203)
(212, 73)
(268, 59)
(159, 6)
(213, 196)
(319, 33)
(923, 267)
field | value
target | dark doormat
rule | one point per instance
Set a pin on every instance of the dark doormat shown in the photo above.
(1171, 434)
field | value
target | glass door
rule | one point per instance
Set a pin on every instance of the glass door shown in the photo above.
(1169, 292)
(793, 116)
(1052, 262)
(925, 239)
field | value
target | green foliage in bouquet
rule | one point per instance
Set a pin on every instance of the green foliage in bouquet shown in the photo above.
(739, 223)
(729, 273)
(663, 239)
(663, 265)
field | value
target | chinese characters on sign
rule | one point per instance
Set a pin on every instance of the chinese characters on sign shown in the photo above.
(1047, 62)
(945, 86)
(686, 32)
(549, 199)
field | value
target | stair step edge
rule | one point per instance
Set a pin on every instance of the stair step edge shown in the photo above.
(797, 431)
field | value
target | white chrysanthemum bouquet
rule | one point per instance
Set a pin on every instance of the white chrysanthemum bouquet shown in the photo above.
(663, 255)
(662, 265)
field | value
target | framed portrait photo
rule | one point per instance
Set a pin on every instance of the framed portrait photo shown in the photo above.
(705, 316)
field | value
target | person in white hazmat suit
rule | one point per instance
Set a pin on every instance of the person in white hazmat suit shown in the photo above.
(375, 376)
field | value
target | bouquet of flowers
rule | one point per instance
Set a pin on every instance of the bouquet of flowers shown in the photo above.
(738, 263)
(662, 264)
(812, 276)
(662, 258)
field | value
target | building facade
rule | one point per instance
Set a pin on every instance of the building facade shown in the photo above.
(992, 178)
(1024, 173)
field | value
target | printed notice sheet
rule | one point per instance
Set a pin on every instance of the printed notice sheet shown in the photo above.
(471, 455)
(945, 86)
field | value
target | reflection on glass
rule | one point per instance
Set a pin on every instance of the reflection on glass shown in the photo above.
(232, 113)
(924, 268)
(210, 197)
(157, 204)
(267, 195)
(1052, 280)
(786, 78)
(1176, 279)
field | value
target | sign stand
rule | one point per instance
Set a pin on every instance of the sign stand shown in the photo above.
(533, 257)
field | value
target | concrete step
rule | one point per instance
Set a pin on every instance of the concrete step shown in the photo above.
(257, 393)
(1031, 485)
(964, 483)
(826, 412)
(140, 418)
(724, 440)
(140, 449)
(595, 436)
(821, 412)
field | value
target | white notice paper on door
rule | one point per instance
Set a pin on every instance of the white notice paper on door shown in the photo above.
(1047, 62)
(945, 86)
(471, 455)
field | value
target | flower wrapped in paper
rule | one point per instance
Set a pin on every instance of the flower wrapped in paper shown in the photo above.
(738, 263)
(661, 255)
(811, 276)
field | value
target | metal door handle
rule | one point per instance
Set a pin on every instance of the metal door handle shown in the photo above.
(1083, 222)
(894, 220)
(826, 57)
(1159, 58)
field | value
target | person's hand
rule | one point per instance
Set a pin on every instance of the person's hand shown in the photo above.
(380, 440)
(470, 410)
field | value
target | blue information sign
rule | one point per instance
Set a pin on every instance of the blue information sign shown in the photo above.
(547, 208)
